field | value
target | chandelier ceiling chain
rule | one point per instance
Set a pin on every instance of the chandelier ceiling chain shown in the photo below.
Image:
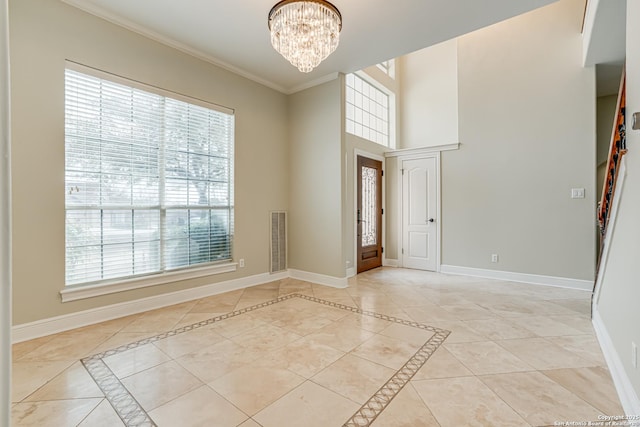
(305, 32)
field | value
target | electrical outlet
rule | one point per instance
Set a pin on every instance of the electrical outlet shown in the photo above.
(494, 258)
(241, 262)
(634, 355)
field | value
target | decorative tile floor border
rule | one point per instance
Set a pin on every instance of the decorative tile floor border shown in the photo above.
(133, 415)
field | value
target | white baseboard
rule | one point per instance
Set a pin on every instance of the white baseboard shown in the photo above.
(388, 262)
(53, 325)
(321, 279)
(626, 393)
(66, 322)
(351, 271)
(533, 279)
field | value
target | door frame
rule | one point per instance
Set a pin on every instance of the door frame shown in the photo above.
(400, 224)
(358, 152)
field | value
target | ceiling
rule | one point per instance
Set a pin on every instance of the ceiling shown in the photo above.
(234, 34)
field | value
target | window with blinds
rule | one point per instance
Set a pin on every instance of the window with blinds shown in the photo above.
(149, 180)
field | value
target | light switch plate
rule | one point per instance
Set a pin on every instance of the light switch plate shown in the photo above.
(577, 193)
(636, 121)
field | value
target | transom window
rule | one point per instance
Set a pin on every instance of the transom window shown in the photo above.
(149, 179)
(388, 67)
(367, 110)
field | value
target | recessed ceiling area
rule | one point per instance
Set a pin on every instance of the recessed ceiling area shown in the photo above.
(234, 34)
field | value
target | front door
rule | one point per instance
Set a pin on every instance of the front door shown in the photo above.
(369, 211)
(419, 214)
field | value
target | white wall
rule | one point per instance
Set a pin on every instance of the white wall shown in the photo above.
(527, 134)
(620, 291)
(429, 96)
(44, 34)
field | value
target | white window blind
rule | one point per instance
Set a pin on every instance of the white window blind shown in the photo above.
(149, 181)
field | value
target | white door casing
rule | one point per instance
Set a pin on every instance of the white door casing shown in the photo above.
(420, 214)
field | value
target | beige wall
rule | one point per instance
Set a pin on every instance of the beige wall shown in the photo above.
(620, 293)
(524, 114)
(527, 134)
(321, 222)
(44, 34)
(606, 110)
(316, 187)
(429, 96)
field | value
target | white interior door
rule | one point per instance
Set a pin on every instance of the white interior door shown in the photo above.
(419, 214)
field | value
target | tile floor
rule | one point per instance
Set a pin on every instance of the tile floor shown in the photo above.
(396, 348)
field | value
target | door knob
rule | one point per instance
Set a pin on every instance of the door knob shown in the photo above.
(431, 220)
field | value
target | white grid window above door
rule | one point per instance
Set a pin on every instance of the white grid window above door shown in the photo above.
(149, 180)
(367, 110)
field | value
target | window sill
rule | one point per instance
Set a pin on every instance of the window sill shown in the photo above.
(78, 292)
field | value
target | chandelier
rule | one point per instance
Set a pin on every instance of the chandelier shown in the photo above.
(305, 31)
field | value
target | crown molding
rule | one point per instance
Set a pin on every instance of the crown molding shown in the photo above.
(316, 82)
(146, 32)
(421, 151)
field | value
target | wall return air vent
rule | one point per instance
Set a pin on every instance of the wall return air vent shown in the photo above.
(278, 241)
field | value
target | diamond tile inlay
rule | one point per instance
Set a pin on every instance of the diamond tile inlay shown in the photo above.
(133, 415)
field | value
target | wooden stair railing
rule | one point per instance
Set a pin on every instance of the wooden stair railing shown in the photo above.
(617, 149)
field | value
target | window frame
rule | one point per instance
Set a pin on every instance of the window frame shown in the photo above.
(389, 69)
(391, 109)
(163, 275)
